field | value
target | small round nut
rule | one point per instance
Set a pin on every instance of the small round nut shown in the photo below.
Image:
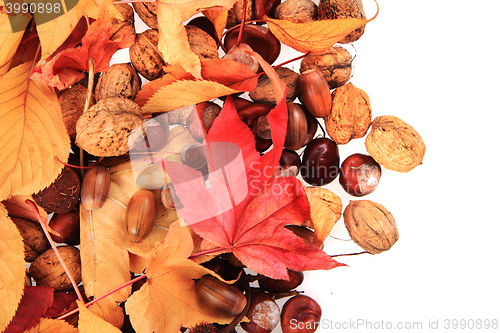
(145, 56)
(105, 128)
(47, 270)
(120, 80)
(297, 11)
(370, 225)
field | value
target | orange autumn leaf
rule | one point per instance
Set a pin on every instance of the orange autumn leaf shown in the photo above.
(9, 41)
(13, 268)
(183, 93)
(315, 36)
(17, 206)
(326, 210)
(32, 134)
(46, 325)
(88, 322)
(218, 17)
(169, 300)
(173, 43)
(230, 73)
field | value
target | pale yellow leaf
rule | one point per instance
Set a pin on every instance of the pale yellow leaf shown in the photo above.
(88, 322)
(173, 43)
(32, 134)
(46, 325)
(326, 210)
(183, 93)
(9, 40)
(12, 268)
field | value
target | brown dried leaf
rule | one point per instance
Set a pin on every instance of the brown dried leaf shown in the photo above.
(326, 210)
(351, 114)
(395, 144)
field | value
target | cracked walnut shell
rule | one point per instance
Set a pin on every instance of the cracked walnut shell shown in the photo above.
(394, 144)
(370, 225)
(350, 116)
(104, 129)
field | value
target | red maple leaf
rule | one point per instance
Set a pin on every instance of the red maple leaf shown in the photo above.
(68, 66)
(243, 208)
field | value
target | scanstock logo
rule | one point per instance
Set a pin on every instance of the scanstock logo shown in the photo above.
(21, 11)
(225, 165)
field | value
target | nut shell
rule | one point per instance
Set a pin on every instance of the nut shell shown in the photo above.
(46, 270)
(120, 80)
(370, 225)
(351, 114)
(201, 43)
(125, 27)
(264, 92)
(147, 13)
(394, 144)
(145, 56)
(220, 295)
(140, 215)
(297, 11)
(72, 103)
(235, 13)
(342, 9)
(335, 64)
(34, 238)
(95, 187)
(104, 129)
(315, 93)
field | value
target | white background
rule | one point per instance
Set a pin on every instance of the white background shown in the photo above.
(434, 64)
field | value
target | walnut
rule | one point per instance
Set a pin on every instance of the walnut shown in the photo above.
(394, 144)
(335, 64)
(297, 11)
(351, 114)
(341, 9)
(371, 226)
(47, 270)
(34, 238)
(234, 14)
(145, 56)
(120, 80)
(264, 92)
(147, 13)
(201, 43)
(72, 103)
(104, 129)
(124, 27)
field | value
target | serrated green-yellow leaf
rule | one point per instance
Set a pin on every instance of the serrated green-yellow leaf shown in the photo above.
(13, 268)
(183, 93)
(32, 134)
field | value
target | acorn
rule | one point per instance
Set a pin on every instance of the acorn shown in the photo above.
(220, 295)
(315, 93)
(296, 130)
(95, 187)
(140, 215)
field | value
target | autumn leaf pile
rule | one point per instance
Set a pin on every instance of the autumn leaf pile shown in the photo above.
(243, 212)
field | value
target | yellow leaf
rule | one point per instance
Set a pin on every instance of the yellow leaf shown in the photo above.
(218, 17)
(9, 41)
(183, 93)
(13, 268)
(46, 325)
(326, 210)
(173, 43)
(315, 36)
(32, 134)
(90, 323)
(169, 300)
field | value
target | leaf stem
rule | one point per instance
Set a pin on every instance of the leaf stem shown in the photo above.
(43, 223)
(206, 252)
(242, 25)
(104, 295)
(238, 318)
(291, 60)
(348, 254)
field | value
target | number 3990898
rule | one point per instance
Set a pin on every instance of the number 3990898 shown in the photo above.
(47, 8)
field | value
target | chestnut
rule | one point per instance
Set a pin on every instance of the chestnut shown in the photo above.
(359, 175)
(250, 113)
(280, 286)
(67, 225)
(300, 314)
(263, 312)
(265, 7)
(290, 162)
(320, 162)
(259, 38)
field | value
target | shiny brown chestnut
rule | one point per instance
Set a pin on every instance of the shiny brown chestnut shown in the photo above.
(263, 313)
(67, 225)
(290, 163)
(300, 314)
(250, 113)
(359, 175)
(265, 7)
(320, 162)
(259, 38)
(312, 126)
(281, 286)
